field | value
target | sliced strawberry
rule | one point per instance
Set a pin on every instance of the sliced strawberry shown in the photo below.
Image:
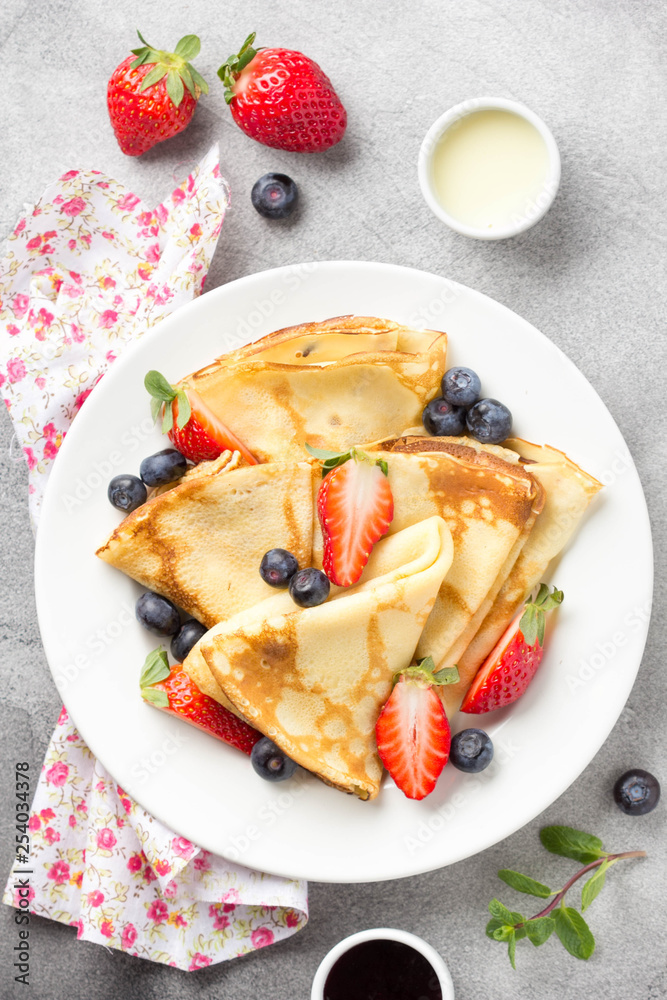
(355, 508)
(191, 426)
(174, 691)
(412, 732)
(513, 662)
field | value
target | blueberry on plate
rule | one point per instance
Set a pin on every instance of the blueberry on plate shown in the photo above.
(163, 467)
(270, 762)
(637, 792)
(489, 421)
(277, 567)
(275, 196)
(187, 636)
(461, 386)
(471, 750)
(444, 420)
(126, 493)
(309, 587)
(157, 614)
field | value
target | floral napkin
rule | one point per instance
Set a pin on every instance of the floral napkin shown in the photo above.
(88, 269)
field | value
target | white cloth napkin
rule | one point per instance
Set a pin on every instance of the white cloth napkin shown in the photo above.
(88, 269)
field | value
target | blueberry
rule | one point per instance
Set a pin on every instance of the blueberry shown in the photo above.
(461, 386)
(270, 762)
(187, 636)
(127, 493)
(275, 196)
(163, 467)
(157, 614)
(471, 750)
(489, 421)
(637, 792)
(443, 419)
(277, 567)
(309, 587)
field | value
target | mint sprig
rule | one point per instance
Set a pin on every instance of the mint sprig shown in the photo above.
(331, 459)
(162, 393)
(567, 923)
(155, 669)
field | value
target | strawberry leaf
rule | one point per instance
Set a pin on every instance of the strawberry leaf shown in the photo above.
(156, 668)
(529, 624)
(175, 87)
(155, 697)
(184, 409)
(155, 75)
(448, 675)
(188, 48)
(198, 79)
(325, 456)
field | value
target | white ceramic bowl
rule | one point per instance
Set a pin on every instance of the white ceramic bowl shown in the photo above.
(535, 209)
(383, 934)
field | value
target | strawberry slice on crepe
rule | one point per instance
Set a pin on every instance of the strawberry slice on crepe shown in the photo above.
(355, 507)
(513, 662)
(173, 691)
(190, 425)
(412, 732)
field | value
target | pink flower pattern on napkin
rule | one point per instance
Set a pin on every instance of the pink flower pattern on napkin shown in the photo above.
(86, 271)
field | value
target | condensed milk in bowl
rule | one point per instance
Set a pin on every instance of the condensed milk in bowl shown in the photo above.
(489, 168)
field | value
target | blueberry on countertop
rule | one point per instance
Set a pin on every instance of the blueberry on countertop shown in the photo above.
(309, 587)
(126, 493)
(270, 762)
(275, 196)
(164, 467)
(471, 750)
(444, 420)
(157, 614)
(489, 421)
(187, 636)
(637, 792)
(461, 386)
(277, 567)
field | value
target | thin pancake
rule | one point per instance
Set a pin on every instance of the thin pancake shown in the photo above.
(333, 384)
(315, 679)
(201, 543)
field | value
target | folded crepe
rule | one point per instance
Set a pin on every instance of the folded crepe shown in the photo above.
(201, 543)
(315, 679)
(489, 505)
(568, 492)
(333, 384)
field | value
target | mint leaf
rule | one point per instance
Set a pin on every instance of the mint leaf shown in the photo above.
(570, 843)
(511, 949)
(155, 668)
(157, 385)
(496, 909)
(540, 930)
(594, 885)
(155, 697)
(324, 455)
(573, 932)
(495, 924)
(522, 883)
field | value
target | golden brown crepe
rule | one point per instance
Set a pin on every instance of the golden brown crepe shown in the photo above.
(315, 679)
(201, 543)
(489, 505)
(333, 384)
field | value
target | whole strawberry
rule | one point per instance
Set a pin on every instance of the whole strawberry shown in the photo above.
(153, 96)
(282, 99)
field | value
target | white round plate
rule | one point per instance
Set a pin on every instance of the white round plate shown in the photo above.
(208, 792)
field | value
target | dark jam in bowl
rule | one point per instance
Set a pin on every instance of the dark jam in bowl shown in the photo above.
(382, 970)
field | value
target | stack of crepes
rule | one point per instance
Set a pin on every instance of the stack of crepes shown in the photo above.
(474, 530)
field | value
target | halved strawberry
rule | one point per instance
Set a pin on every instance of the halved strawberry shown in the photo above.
(513, 662)
(412, 732)
(355, 508)
(191, 426)
(174, 691)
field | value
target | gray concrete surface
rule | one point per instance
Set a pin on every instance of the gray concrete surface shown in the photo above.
(591, 276)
